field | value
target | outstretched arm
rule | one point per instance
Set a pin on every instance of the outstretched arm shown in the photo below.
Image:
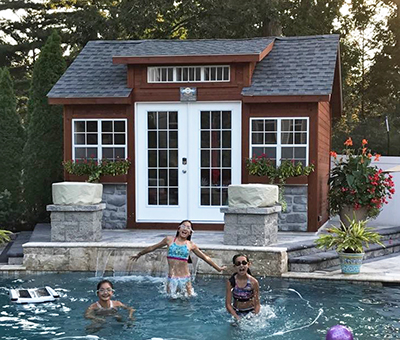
(228, 301)
(149, 249)
(206, 258)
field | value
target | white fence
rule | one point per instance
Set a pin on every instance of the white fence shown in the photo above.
(390, 214)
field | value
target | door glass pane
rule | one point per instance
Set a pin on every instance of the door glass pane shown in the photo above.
(215, 156)
(162, 163)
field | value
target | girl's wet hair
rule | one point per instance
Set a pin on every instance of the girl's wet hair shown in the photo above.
(189, 237)
(240, 255)
(104, 281)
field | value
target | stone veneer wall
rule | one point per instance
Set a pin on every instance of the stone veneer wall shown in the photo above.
(115, 214)
(114, 257)
(295, 217)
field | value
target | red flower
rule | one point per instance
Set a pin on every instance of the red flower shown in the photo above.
(364, 141)
(377, 157)
(348, 142)
(333, 154)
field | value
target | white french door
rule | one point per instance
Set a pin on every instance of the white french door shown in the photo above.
(186, 156)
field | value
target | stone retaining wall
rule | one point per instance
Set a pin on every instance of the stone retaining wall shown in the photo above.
(114, 257)
(115, 215)
(295, 217)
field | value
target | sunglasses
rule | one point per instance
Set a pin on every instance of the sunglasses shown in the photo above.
(243, 263)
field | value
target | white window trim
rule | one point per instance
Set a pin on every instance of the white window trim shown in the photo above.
(202, 80)
(99, 145)
(279, 145)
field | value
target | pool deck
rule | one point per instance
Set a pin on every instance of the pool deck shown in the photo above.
(384, 270)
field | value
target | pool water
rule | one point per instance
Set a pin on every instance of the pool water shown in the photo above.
(290, 310)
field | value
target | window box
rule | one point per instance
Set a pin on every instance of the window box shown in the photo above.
(103, 179)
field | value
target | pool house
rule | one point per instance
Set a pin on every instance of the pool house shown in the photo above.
(188, 113)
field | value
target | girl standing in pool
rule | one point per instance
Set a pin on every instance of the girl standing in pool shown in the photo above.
(105, 306)
(244, 289)
(179, 248)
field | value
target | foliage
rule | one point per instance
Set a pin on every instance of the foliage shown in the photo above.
(349, 239)
(263, 166)
(11, 139)
(355, 182)
(5, 235)
(95, 169)
(43, 150)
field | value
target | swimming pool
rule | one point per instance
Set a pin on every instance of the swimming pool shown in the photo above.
(290, 310)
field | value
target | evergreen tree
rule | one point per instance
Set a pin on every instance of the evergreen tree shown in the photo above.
(43, 152)
(11, 145)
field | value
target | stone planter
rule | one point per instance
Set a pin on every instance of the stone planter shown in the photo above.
(252, 195)
(351, 262)
(359, 214)
(76, 193)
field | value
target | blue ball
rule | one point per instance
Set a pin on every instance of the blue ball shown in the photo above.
(339, 332)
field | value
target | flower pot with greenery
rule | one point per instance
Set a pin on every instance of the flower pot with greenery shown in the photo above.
(355, 184)
(349, 241)
(262, 166)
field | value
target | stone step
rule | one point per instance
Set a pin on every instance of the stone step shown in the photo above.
(15, 253)
(308, 247)
(327, 259)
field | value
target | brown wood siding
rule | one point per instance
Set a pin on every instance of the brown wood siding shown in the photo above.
(104, 112)
(324, 147)
(167, 92)
(309, 110)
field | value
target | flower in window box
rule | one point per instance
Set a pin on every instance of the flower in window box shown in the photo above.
(264, 166)
(95, 169)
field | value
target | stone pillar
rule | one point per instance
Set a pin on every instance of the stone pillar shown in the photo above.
(76, 223)
(251, 226)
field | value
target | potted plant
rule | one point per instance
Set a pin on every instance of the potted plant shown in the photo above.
(263, 166)
(355, 184)
(349, 241)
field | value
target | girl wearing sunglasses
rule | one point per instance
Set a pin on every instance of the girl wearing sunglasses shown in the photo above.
(243, 288)
(179, 248)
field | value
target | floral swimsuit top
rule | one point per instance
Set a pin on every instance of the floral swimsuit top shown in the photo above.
(178, 252)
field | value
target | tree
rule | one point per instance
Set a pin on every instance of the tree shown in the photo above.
(11, 144)
(43, 152)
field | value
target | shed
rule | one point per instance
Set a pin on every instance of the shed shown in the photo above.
(189, 112)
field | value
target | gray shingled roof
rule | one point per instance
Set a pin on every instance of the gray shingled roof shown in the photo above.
(196, 47)
(92, 74)
(296, 66)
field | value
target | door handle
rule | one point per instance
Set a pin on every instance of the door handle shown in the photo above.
(184, 160)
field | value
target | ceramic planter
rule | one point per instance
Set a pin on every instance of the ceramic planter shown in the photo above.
(71, 193)
(351, 262)
(347, 210)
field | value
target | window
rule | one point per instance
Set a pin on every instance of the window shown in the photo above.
(280, 139)
(187, 74)
(99, 139)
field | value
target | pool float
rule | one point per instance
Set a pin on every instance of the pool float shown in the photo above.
(33, 295)
(339, 332)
